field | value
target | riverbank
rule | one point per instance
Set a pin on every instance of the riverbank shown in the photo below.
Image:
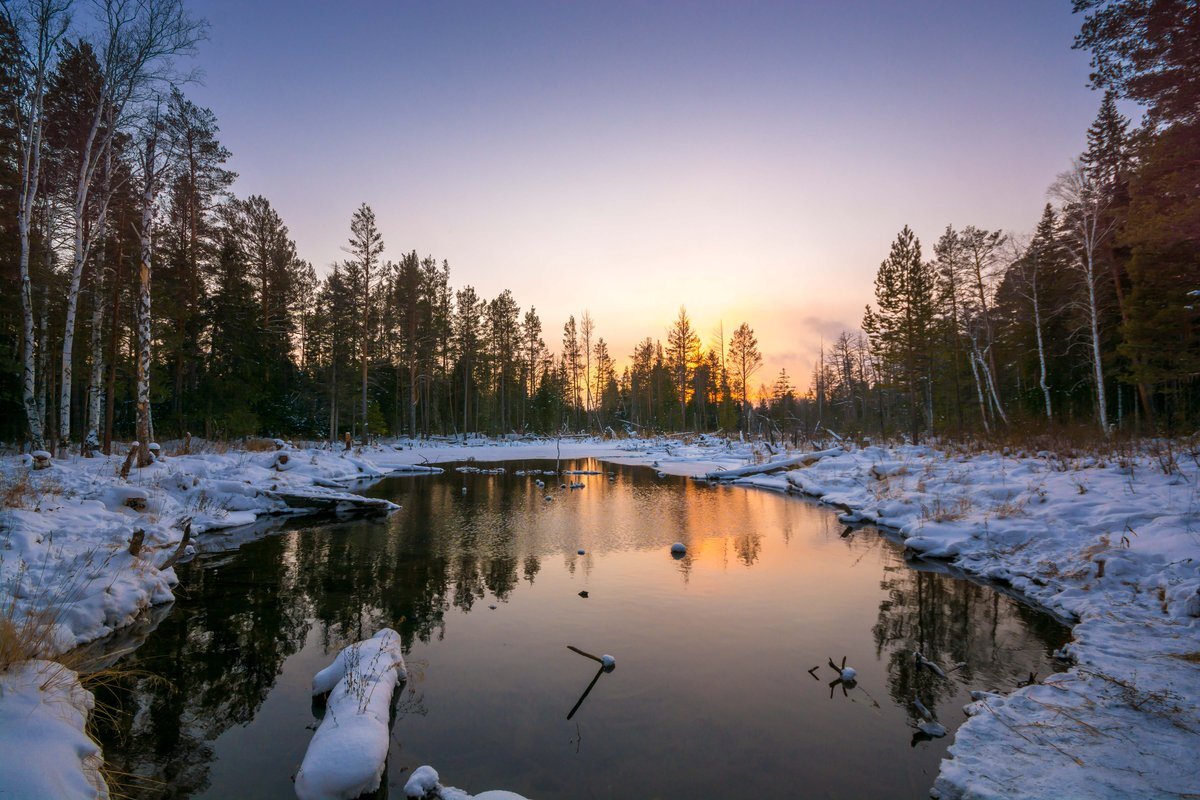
(1110, 543)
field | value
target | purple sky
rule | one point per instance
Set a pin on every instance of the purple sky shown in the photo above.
(752, 161)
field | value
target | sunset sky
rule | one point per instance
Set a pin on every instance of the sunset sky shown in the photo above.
(751, 161)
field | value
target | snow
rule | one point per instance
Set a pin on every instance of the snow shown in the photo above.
(44, 749)
(348, 752)
(423, 783)
(1110, 543)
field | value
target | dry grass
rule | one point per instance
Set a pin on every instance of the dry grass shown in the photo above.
(19, 489)
(946, 511)
(16, 490)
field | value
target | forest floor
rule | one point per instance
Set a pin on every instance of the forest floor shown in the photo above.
(1109, 542)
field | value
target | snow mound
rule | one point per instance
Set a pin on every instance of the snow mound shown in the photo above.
(348, 752)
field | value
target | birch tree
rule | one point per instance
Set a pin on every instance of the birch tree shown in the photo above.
(1087, 225)
(1030, 271)
(153, 163)
(39, 26)
(981, 250)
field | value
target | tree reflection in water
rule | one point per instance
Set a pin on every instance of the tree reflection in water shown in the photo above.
(979, 638)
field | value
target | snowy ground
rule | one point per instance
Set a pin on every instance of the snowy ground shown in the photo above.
(1111, 544)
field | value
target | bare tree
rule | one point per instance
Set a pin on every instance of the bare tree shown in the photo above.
(39, 27)
(138, 40)
(1083, 207)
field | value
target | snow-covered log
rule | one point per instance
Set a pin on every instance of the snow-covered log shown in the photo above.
(348, 752)
(803, 460)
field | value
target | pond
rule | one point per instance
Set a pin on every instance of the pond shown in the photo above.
(712, 695)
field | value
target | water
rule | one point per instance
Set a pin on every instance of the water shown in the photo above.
(711, 696)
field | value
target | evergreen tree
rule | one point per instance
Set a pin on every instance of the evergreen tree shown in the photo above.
(745, 359)
(365, 248)
(902, 326)
(683, 356)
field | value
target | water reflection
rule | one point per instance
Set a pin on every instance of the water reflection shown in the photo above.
(712, 699)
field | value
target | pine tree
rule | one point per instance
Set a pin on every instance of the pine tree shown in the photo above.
(467, 330)
(683, 355)
(901, 328)
(745, 359)
(365, 248)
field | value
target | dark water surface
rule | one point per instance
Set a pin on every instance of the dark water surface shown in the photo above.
(711, 696)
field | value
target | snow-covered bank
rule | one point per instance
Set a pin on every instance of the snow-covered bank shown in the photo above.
(44, 748)
(67, 542)
(85, 553)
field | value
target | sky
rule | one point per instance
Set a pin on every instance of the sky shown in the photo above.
(751, 161)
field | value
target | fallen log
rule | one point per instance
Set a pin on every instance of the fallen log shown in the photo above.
(803, 460)
(332, 502)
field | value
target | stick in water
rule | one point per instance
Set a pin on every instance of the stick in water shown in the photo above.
(575, 649)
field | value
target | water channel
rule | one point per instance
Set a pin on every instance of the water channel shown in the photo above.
(712, 695)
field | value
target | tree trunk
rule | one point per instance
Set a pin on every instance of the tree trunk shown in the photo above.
(983, 411)
(110, 380)
(28, 364)
(87, 166)
(1094, 324)
(144, 430)
(1041, 349)
(92, 440)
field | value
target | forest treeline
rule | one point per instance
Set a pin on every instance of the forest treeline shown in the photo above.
(142, 298)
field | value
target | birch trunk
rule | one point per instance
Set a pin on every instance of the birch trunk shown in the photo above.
(1094, 324)
(991, 385)
(92, 440)
(87, 166)
(983, 410)
(1041, 350)
(41, 401)
(33, 415)
(144, 432)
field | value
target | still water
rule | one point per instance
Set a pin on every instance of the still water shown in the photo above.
(711, 696)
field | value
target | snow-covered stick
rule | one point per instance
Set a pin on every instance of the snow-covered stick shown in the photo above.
(347, 754)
